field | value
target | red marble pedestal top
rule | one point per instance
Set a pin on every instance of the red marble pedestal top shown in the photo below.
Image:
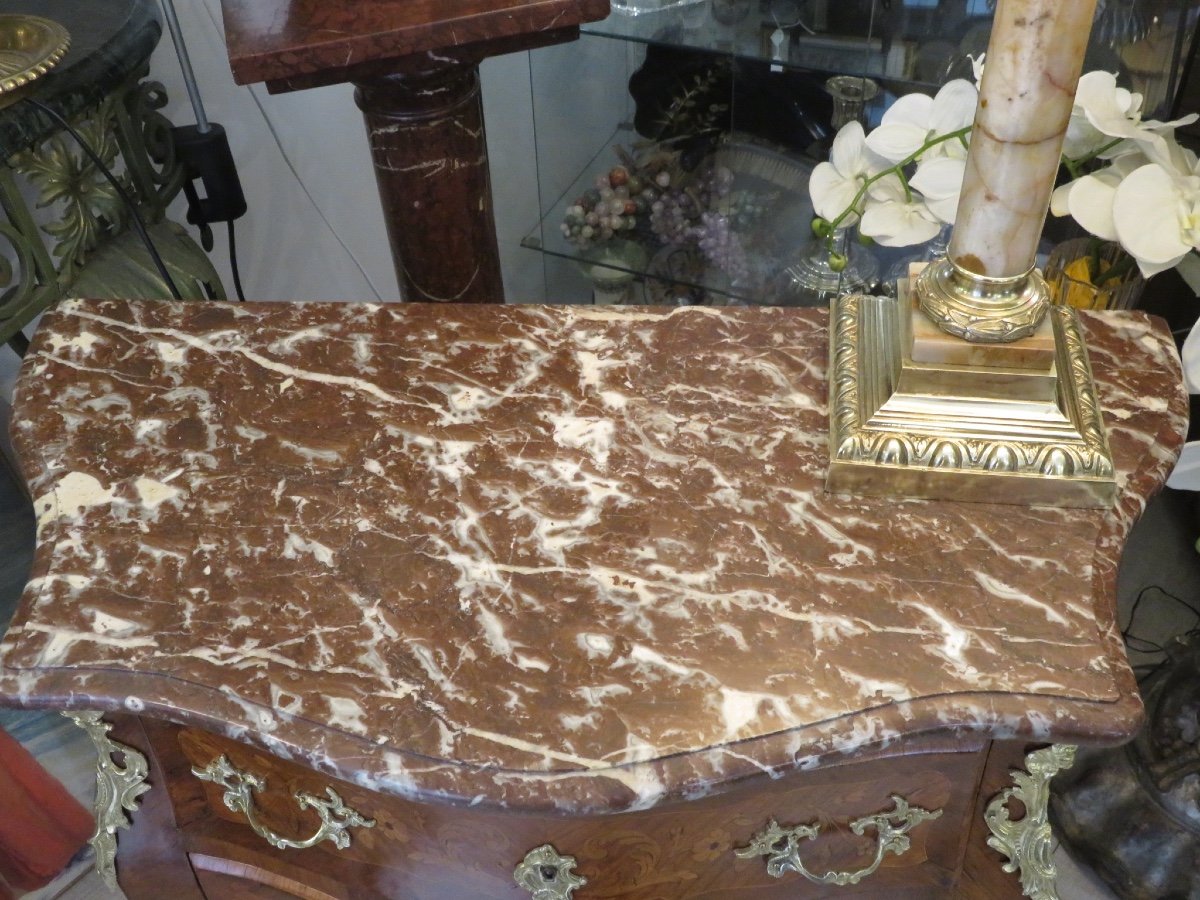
(278, 40)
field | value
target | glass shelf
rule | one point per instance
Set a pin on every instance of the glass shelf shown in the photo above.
(921, 43)
(737, 89)
(754, 192)
(902, 40)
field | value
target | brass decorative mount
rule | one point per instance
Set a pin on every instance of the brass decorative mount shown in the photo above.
(1028, 841)
(30, 46)
(979, 308)
(118, 787)
(548, 875)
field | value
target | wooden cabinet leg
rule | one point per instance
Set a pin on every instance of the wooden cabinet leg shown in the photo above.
(153, 862)
(426, 132)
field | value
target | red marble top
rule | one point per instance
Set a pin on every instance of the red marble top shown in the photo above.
(276, 40)
(577, 558)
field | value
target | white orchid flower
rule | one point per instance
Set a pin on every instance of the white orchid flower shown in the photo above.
(916, 118)
(1189, 354)
(1148, 200)
(1089, 200)
(896, 218)
(1156, 213)
(1104, 112)
(1166, 151)
(940, 182)
(977, 67)
(833, 185)
(1186, 475)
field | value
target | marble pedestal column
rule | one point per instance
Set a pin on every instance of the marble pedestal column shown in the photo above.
(416, 69)
(430, 154)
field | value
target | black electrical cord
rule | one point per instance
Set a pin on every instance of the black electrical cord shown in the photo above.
(233, 264)
(1145, 671)
(1143, 645)
(19, 343)
(138, 224)
(1126, 632)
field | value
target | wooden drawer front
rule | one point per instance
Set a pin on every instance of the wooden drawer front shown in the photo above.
(682, 850)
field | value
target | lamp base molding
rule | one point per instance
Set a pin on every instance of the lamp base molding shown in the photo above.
(1028, 434)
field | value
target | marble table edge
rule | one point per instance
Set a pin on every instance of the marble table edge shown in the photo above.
(956, 721)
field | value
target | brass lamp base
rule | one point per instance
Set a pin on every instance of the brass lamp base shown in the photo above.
(1012, 423)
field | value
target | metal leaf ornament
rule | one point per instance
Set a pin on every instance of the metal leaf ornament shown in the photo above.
(90, 207)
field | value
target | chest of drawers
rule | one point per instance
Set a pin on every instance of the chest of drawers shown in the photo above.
(510, 578)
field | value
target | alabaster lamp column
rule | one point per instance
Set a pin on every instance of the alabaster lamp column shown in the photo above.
(987, 290)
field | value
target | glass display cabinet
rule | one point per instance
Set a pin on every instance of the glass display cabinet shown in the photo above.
(675, 139)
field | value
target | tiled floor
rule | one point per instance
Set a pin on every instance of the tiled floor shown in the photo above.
(1161, 554)
(89, 886)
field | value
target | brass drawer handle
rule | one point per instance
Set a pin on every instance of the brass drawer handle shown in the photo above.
(781, 845)
(336, 816)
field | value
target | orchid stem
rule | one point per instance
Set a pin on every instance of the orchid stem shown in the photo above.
(1117, 271)
(897, 170)
(1075, 165)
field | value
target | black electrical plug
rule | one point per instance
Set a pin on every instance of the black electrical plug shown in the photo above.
(205, 156)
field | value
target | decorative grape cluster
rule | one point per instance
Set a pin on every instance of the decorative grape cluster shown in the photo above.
(709, 213)
(673, 215)
(611, 207)
(651, 198)
(721, 245)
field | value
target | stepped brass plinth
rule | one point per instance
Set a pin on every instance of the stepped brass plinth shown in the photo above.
(917, 412)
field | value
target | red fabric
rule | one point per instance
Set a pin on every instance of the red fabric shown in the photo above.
(41, 825)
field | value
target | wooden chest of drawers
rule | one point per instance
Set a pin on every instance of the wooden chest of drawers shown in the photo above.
(419, 851)
(513, 578)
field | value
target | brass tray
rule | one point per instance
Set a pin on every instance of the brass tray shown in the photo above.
(30, 46)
